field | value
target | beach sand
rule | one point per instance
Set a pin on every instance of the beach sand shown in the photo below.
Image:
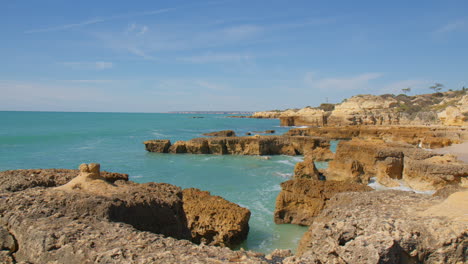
(459, 150)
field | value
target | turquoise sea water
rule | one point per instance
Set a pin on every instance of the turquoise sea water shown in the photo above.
(65, 140)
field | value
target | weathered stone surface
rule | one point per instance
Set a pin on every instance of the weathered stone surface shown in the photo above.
(306, 170)
(264, 132)
(434, 173)
(18, 180)
(320, 154)
(213, 220)
(91, 220)
(426, 137)
(360, 160)
(387, 227)
(301, 200)
(255, 145)
(223, 133)
(157, 145)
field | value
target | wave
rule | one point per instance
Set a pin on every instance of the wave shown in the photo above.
(287, 162)
(283, 175)
(379, 187)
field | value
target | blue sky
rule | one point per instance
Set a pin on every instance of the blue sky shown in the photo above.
(158, 56)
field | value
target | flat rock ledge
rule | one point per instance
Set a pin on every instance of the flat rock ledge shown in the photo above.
(104, 218)
(249, 145)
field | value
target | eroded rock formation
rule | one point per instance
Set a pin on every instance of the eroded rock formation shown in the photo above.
(254, 145)
(388, 227)
(301, 200)
(359, 160)
(94, 220)
(213, 220)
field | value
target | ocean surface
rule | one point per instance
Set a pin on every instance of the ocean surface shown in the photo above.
(65, 140)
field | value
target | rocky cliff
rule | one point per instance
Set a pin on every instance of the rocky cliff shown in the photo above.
(448, 108)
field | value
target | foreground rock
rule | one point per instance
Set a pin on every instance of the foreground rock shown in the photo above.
(92, 220)
(301, 200)
(360, 160)
(388, 227)
(255, 145)
(223, 133)
(213, 220)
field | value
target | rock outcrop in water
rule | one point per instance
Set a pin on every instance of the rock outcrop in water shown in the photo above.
(213, 220)
(105, 218)
(223, 133)
(301, 200)
(360, 160)
(254, 145)
(388, 227)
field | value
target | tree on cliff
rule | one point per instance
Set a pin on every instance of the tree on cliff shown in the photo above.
(406, 90)
(437, 87)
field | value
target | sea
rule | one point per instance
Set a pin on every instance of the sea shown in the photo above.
(115, 140)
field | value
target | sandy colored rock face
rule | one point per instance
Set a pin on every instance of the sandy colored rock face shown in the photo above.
(213, 220)
(306, 170)
(386, 227)
(254, 145)
(360, 160)
(157, 145)
(71, 224)
(426, 137)
(301, 200)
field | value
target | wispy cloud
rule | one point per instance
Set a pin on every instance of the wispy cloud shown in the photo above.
(342, 83)
(98, 20)
(97, 65)
(457, 25)
(216, 58)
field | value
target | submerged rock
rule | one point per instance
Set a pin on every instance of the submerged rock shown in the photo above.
(223, 133)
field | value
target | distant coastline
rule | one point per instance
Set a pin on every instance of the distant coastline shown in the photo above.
(213, 112)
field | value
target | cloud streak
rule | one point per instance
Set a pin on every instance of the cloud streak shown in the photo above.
(97, 65)
(452, 26)
(98, 20)
(341, 83)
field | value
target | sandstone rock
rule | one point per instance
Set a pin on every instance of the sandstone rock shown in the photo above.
(213, 220)
(256, 145)
(304, 117)
(426, 137)
(158, 145)
(265, 132)
(385, 227)
(223, 133)
(320, 154)
(434, 173)
(306, 170)
(301, 200)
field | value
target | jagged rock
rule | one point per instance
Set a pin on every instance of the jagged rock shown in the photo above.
(434, 173)
(157, 145)
(426, 137)
(388, 227)
(256, 145)
(265, 132)
(223, 133)
(90, 218)
(304, 117)
(301, 200)
(213, 220)
(320, 154)
(18, 180)
(306, 170)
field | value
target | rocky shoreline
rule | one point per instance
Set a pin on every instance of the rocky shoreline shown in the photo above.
(89, 216)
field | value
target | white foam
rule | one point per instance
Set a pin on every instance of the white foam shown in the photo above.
(287, 162)
(137, 177)
(284, 175)
(379, 187)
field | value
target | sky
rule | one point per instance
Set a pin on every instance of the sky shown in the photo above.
(206, 55)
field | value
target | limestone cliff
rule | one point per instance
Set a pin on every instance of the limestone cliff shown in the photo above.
(448, 108)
